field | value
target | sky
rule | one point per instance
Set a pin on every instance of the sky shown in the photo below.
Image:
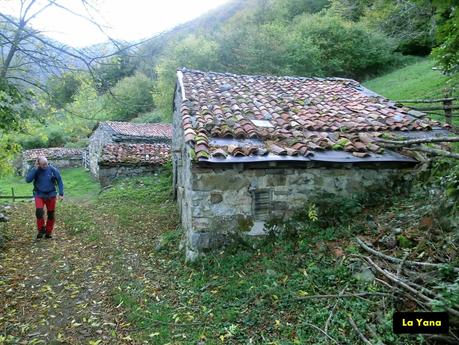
(128, 20)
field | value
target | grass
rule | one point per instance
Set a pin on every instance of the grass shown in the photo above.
(414, 81)
(242, 295)
(78, 183)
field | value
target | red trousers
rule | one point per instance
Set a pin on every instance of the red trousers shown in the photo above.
(50, 204)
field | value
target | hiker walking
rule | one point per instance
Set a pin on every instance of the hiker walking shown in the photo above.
(45, 177)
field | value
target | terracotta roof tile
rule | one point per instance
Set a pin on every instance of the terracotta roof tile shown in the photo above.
(142, 129)
(290, 116)
(53, 153)
(135, 154)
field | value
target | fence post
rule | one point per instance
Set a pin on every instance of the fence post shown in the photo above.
(12, 193)
(447, 107)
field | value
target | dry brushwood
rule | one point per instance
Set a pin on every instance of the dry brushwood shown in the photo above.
(357, 330)
(398, 261)
(407, 287)
(419, 141)
(435, 152)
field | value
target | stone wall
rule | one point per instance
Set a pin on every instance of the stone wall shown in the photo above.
(58, 163)
(98, 139)
(220, 202)
(109, 173)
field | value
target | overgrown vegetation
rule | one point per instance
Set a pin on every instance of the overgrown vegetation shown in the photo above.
(285, 290)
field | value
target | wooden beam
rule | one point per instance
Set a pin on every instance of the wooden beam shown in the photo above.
(439, 100)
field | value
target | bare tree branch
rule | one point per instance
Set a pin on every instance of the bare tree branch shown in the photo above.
(420, 141)
(435, 152)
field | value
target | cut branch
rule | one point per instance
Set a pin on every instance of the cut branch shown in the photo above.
(420, 141)
(435, 152)
(439, 100)
(344, 295)
(397, 260)
(357, 330)
(406, 286)
(322, 331)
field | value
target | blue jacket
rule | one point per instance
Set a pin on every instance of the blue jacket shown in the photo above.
(44, 181)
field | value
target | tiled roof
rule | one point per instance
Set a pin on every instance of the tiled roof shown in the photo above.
(55, 153)
(141, 129)
(135, 154)
(285, 116)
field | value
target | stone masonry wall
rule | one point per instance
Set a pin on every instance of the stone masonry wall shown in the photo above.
(109, 173)
(58, 163)
(221, 201)
(98, 139)
(181, 161)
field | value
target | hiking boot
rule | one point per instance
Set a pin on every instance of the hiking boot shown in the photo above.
(48, 236)
(41, 233)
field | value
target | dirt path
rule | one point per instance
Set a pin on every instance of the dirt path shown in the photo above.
(59, 291)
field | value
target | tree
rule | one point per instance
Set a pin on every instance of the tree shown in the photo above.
(447, 49)
(109, 72)
(345, 48)
(29, 59)
(408, 22)
(62, 89)
(14, 108)
(129, 97)
(192, 52)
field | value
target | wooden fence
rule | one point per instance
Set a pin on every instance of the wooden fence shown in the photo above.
(441, 106)
(85, 160)
(14, 196)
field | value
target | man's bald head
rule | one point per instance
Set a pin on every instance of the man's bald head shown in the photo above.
(42, 162)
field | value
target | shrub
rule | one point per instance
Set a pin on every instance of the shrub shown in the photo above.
(129, 97)
(344, 48)
(151, 117)
(191, 52)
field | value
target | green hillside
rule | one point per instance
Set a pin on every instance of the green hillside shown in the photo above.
(419, 80)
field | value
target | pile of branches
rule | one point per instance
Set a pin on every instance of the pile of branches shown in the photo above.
(419, 145)
(417, 281)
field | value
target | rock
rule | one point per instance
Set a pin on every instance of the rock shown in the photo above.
(397, 231)
(205, 240)
(372, 225)
(365, 275)
(3, 218)
(388, 241)
(216, 198)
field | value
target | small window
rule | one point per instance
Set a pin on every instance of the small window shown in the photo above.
(261, 204)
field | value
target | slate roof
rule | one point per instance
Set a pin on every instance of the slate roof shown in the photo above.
(135, 154)
(53, 153)
(160, 130)
(226, 116)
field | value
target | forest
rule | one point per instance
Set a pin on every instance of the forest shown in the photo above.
(53, 95)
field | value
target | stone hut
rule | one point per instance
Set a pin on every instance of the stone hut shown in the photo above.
(60, 157)
(112, 132)
(124, 160)
(250, 148)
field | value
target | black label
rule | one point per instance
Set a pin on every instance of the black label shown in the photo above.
(414, 322)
